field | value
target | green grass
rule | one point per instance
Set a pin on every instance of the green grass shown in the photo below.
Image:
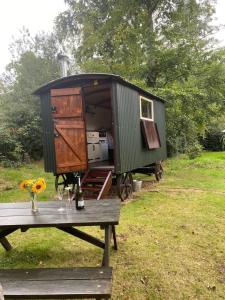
(171, 236)
(206, 172)
(10, 179)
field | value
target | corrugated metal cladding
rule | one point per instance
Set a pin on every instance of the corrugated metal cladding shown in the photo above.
(131, 152)
(48, 134)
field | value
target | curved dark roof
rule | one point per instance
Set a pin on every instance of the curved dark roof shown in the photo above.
(91, 76)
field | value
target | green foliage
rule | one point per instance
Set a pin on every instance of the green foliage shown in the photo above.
(158, 41)
(29, 132)
(214, 141)
(34, 63)
(194, 150)
(11, 151)
(164, 46)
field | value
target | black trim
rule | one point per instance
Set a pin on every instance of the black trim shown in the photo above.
(93, 76)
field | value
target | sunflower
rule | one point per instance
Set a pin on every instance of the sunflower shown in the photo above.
(25, 184)
(43, 181)
(29, 182)
(39, 186)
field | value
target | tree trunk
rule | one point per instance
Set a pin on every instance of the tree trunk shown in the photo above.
(150, 41)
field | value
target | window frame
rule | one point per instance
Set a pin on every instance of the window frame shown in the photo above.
(152, 108)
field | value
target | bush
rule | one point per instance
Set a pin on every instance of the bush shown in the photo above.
(26, 127)
(30, 137)
(194, 150)
(11, 150)
(214, 141)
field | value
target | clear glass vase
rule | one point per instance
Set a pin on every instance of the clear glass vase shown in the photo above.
(34, 207)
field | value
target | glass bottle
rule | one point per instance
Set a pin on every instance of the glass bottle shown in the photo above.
(79, 196)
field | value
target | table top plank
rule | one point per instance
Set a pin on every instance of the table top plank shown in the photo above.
(96, 212)
(56, 203)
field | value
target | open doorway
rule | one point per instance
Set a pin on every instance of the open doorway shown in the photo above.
(99, 129)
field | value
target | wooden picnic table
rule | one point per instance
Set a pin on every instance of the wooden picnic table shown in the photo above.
(104, 213)
(73, 283)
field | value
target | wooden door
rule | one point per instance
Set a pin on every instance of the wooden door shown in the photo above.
(69, 130)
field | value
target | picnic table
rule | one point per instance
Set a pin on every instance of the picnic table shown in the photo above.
(14, 216)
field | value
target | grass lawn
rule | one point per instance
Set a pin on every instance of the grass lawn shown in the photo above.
(171, 235)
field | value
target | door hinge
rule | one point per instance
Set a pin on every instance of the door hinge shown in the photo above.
(53, 109)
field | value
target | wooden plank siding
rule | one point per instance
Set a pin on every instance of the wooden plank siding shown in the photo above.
(69, 130)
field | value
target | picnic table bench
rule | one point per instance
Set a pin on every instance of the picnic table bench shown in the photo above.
(72, 283)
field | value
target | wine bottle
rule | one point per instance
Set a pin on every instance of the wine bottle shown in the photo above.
(79, 196)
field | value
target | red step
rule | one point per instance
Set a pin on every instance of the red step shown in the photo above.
(95, 180)
(91, 188)
(100, 181)
(98, 173)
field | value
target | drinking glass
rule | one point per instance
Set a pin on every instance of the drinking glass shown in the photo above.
(69, 197)
(60, 196)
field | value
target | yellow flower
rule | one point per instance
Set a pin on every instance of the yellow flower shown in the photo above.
(25, 184)
(39, 186)
(33, 186)
(29, 182)
(43, 181)
(22, 185)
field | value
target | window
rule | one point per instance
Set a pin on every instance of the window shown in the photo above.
(148, 126)
(146, 109)
(151, 134)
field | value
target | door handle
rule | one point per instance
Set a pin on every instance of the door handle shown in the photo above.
(56, 135)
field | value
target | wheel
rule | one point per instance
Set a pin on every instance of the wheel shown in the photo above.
(65, 180)
(124, 184)
(60, 179)
(158, 171)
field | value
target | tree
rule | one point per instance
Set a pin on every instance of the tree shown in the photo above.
(33, 64)
(164, 46)
(157, 41)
